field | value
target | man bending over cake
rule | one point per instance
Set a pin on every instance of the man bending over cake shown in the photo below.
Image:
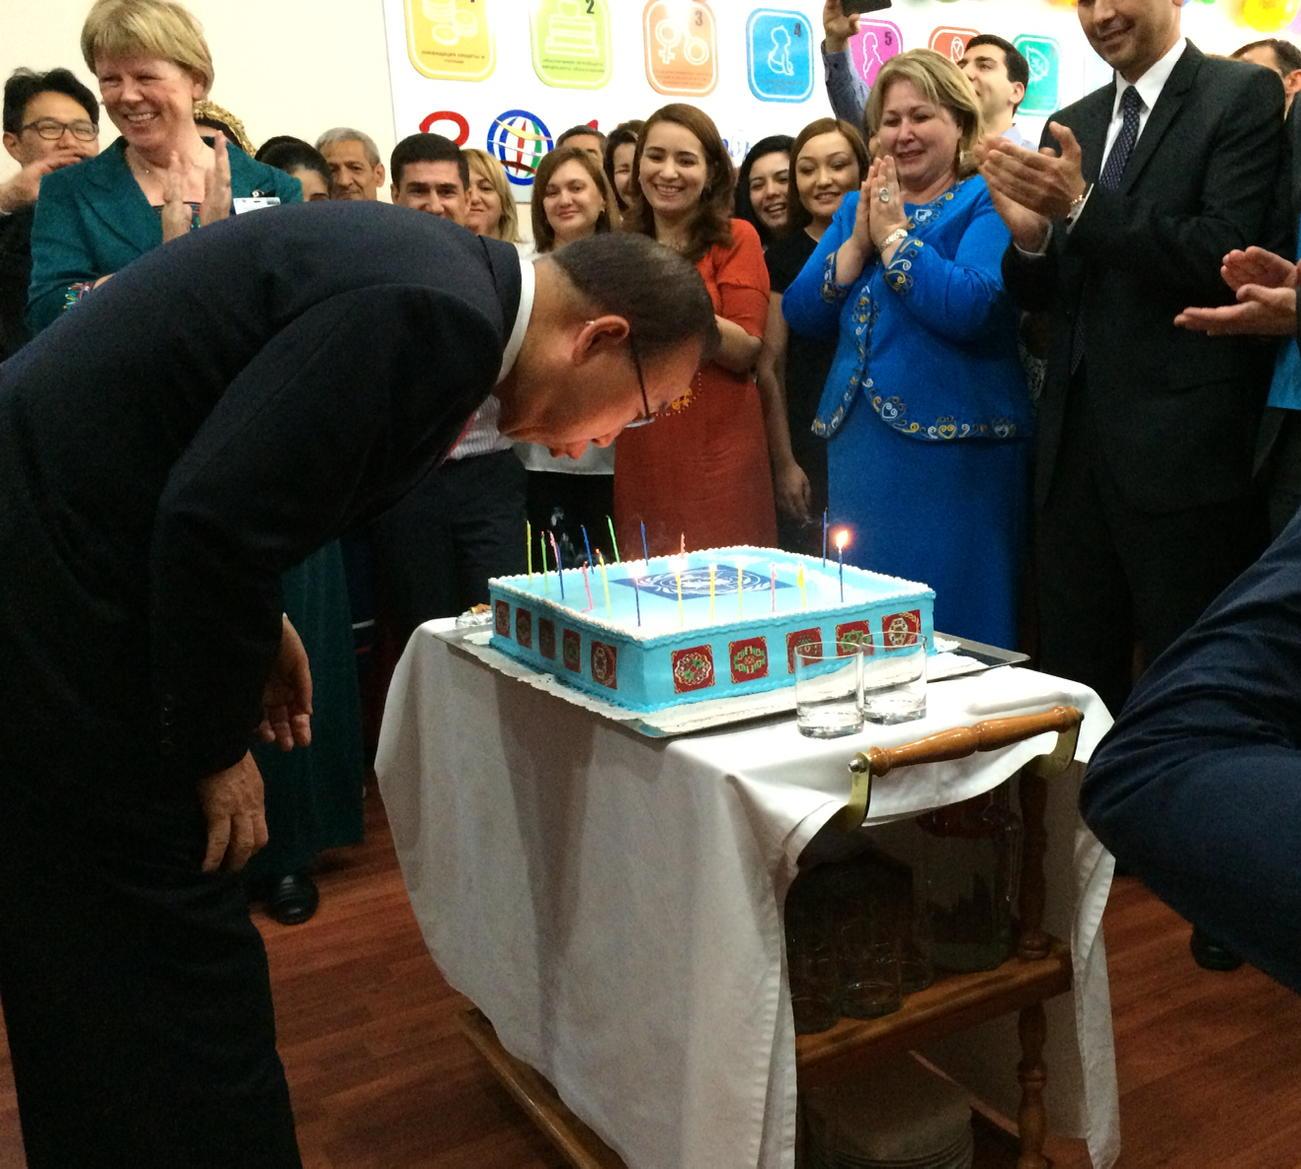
(221, 408)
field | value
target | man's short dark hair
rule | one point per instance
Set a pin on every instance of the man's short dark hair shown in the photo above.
(290, 154)
(427, 148)
(580, 131)
(657, 291)
(1286, 53)
(1018, 68)
(25, 84)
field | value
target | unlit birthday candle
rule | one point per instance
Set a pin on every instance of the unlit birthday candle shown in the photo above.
(645, 548)
(636, 595)
(824, 537)
(799, 583)
(772, 585)
(587, 544)
(677, 572)
(713, 573)
(842, 538)
(528, 547)
(614, 544)
(587, 588)
(560, 572)
(546, 580)
(605, 580)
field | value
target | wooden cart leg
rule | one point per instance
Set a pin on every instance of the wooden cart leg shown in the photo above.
(1032, 1120)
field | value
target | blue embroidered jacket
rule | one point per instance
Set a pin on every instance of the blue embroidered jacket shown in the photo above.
(929, 341)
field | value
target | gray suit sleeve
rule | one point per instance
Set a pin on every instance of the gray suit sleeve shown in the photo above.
(846, 90)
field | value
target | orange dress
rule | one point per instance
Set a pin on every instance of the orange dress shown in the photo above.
(700, 471)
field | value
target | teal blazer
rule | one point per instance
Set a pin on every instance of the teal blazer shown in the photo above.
(92, 220)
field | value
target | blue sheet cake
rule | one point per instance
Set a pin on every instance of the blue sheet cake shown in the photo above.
(717, 623)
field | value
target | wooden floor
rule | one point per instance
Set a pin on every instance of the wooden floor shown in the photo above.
(382, 1080)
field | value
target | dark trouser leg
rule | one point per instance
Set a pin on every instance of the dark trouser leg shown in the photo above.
(135, 992)
(1086, 630)
(487, 519)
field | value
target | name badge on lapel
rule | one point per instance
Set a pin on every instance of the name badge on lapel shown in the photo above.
(255, 202)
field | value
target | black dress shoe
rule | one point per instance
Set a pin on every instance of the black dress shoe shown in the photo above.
(293, 899)
(1210, 955)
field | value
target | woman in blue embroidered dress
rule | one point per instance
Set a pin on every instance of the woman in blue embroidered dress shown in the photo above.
(925, 410)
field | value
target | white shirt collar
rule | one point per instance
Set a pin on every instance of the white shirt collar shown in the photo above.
(1152, 82)
(527, 286)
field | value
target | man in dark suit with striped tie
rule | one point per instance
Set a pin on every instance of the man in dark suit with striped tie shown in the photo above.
(1143, 493)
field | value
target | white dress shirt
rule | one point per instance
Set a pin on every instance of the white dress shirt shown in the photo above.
(481, 436)
(1149, 88)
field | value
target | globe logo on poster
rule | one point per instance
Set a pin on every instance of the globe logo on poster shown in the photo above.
(518, 139)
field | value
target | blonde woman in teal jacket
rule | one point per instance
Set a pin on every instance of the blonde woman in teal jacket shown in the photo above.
(96, 218)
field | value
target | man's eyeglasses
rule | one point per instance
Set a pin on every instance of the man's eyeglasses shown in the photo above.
(647, 417)
(52, 130)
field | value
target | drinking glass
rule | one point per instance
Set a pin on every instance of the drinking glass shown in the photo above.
(828, 689)
(894, 678)
(869, 970)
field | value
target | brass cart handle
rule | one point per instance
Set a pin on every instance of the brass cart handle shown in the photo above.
(958, 743)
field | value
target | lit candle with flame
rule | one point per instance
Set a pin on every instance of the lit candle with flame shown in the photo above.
(842, 538)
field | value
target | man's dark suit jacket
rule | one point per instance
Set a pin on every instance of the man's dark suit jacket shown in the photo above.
(1173, 414)
(219, 409)
(1198, 786)
(15, 274)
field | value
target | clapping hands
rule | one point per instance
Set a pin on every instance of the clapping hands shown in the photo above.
(176, 214)
(1265, 285)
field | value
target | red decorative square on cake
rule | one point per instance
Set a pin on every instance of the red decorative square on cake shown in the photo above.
(749, 659)
(605, 664)
(901, 628)
(798, 640)
(693, 669)
(547, 637)
(573, 651)
(854, 633)
(524, 628)
(503, 618)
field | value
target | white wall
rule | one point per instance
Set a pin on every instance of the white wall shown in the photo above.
(283, 66)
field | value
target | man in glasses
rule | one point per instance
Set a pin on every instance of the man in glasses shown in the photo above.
(51, 120)
(168, 448)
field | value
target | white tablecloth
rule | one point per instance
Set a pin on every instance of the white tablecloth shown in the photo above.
(613, 903)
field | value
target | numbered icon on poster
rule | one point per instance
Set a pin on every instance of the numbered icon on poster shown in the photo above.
(873, 45)
(518, 139)
(1045, 59)
(779, 45)
(571, 43)
(681, 45)
(951, 42)
(450, 40)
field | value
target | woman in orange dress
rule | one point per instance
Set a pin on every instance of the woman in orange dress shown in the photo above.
(699, 472)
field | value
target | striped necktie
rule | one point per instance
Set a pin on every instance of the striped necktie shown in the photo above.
(1114, 169)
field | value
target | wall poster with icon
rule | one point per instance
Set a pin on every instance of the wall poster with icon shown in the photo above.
(508, 76)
